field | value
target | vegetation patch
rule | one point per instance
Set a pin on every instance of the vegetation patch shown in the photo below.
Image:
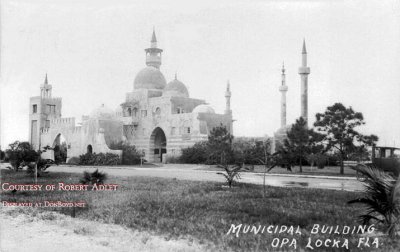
(203, 211)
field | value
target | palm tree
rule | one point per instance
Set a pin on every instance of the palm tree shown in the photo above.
(381, 198)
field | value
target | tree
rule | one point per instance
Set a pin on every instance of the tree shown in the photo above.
(300, 142)
(338, 124)
(220, 144)
(19, 152)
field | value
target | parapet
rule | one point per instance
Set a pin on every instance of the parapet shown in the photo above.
(67, 121)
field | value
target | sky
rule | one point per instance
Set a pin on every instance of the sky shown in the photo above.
(92, 51)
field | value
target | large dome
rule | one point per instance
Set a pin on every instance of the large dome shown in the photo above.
(149, 78)
(176, 88)
(203, 108)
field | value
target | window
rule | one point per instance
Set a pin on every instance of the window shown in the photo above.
(158, 111)
(144, 113)
(51, 109)
(129, 112)
(47, 125)
(188, 130)
(180, 110)
(34, 108)
(135, 112)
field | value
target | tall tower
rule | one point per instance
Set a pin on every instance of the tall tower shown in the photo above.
(283, 89)
(153, 54)
(42, 109)
(304, 71)
(228, 95)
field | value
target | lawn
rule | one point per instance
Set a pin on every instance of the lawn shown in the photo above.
(204, 211)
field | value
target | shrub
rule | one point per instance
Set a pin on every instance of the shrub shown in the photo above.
(232, 172)
(130, 155)
(381, 198)
(42, 165)
(173, 159)
(74, 160)
(197, 154)
(95, 177)
(99, 159)
(2, 155)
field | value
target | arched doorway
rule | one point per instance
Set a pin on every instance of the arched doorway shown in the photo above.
(60, 149)
(89, 149)
(158, 144)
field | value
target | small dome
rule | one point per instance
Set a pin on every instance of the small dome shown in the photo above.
(149, 78)
(176, 88)
(102, 112)
(203, 108)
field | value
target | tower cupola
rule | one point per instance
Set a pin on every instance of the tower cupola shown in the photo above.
(153, 54)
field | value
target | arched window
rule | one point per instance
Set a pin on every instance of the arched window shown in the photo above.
(135, 112)
(158, 111)
(129, 112)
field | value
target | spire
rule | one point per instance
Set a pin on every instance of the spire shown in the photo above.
(153, 37)
(153, 53)
(45, 80)
(283, 67)
(228, 95)
(304, 47)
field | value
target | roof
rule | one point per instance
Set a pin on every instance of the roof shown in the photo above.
(149, 78)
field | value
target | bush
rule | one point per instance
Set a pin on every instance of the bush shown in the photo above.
(197, 154)
(42, 166)
(2, 155)
(130, 155)
(173, 159)
(321, 160)
(74, 161)
(380, 199)
(95, 177)
(99, 159)
(20, 152)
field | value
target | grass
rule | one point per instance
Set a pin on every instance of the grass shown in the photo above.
(203, 211)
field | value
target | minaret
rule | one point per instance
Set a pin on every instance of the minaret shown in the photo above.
(45, 89)
(228, 95)
(153, 54)
(283, 89)
(304, 71)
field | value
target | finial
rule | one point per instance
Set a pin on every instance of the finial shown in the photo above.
(45, 80)
(283, 67)
(228, 86)
(153, 37)
(304, 46)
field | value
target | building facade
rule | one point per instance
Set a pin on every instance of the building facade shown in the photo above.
(159, 118)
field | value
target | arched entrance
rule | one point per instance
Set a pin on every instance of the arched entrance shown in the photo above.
(158, 144)
(89, 149)
(60, 149)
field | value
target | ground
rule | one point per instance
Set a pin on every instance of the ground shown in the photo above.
(41, 229)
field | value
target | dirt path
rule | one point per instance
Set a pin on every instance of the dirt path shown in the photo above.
(31, 230)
